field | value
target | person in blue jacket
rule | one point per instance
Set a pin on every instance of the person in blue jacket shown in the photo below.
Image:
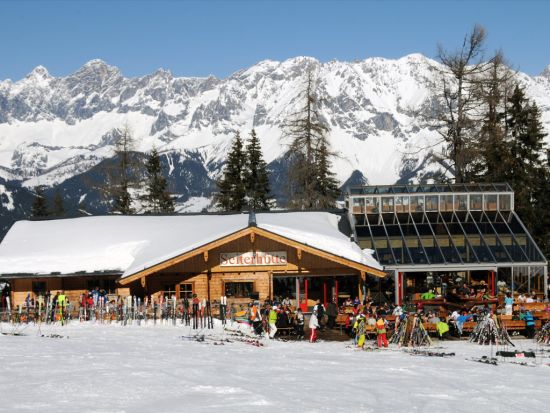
(529, 323)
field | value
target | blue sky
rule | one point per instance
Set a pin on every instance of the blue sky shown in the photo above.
(193, 38)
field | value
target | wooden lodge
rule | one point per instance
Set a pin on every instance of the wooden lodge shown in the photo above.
(302, 255)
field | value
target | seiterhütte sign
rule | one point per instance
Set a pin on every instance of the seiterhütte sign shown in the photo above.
(251, 258)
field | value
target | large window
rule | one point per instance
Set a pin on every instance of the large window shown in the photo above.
(387, 204)
(476, 202)
(505, 202)
(169, 291)
(490, 202)
(239, 289)
(108, 285)
(417, 203)
(186, 290)
(371, 205)
(431, 202)
(446, 202)
(461, 202)
(401, 204)
(39, 287)
(358, 205)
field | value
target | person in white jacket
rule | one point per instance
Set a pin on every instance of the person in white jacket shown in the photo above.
(313, 326)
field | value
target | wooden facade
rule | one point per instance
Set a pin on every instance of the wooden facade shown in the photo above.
(200, 271)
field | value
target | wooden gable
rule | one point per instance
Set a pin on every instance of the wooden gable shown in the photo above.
(300, 257)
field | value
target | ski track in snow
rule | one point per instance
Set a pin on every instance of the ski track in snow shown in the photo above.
(110, 368)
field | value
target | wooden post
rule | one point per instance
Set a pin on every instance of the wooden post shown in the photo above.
(362, 280)
(208, 278)
(298, 298)
(325, 292)
(270, 274)
(305, 292)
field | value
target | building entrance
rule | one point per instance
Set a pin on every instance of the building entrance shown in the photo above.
(305, 291)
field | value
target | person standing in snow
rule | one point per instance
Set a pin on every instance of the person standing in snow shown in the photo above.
(381, 331)
(299, 324)
(360, 327)
(320, 310)
(313, 326)
(332, 313)
(272, 321)
(62, 304)
(256, 318)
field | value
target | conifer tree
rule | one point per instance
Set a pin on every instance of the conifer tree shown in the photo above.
(39, 206)
(232, 190)
(255, 175)
(495, 87)
(122, 176)
(541, 231)
(528, 157)
(158, 199)
(58, 205)
(308, 135)
(327, 186)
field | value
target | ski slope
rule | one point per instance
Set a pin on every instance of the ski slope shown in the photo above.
(110, 368)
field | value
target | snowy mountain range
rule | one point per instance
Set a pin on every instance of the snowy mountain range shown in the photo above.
(56, 131)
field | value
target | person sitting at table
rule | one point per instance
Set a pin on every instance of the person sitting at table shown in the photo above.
(508, 303)
(348, 302)
(428, 295)
(464, 290)
(282, 320)
(286, 302)
(357, 301)
(434, 319)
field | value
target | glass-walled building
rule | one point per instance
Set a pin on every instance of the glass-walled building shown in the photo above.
(425, 232)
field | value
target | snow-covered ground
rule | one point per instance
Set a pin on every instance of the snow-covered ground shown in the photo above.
(111, 368)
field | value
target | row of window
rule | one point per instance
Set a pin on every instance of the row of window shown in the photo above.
(419, 203)
(109, 286)
(235, 289)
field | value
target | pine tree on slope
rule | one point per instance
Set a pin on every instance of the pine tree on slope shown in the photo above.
(158, 199)
(39, 206)
(255, 174)
(528, 153)
(232, 190)
(58, 205)
(326, 186)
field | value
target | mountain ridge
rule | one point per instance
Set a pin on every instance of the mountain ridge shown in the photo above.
(53, 129)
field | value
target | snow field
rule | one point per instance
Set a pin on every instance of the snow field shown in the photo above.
(110, 368)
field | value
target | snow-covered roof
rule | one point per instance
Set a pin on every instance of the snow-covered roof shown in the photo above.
(130, 244)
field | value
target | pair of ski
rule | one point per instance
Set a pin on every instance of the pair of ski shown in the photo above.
(429, 353)
(485, 360)
(53, 336)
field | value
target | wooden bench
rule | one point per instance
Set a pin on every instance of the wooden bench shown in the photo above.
(430, 328)
(534, 306)
(341, 320)
(519, 325)
(469, 326)
(287, 330)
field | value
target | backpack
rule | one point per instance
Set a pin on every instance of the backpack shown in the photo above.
(320, 311)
